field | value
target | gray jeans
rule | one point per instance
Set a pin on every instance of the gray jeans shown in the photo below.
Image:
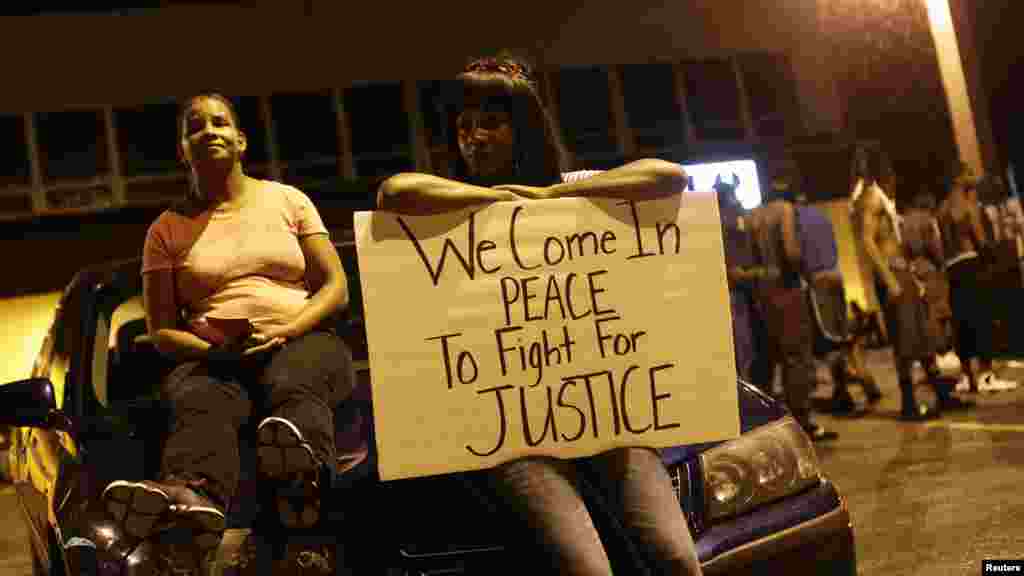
(546, 494)
(303, 381)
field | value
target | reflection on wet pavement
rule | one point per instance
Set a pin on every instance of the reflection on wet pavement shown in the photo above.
(932, 498)
(14, 554)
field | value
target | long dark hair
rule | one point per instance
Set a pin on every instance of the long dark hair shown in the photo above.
(505, 82)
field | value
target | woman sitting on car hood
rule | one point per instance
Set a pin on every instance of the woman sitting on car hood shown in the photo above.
(507, 148)
(238, 281)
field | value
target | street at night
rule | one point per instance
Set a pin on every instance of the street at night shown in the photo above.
(268, 307)
(932, 498)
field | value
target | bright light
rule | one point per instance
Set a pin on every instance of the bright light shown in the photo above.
(26, 319)
(951, 70)
(705, 173)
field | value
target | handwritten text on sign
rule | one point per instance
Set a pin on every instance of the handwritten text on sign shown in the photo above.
(561, 327)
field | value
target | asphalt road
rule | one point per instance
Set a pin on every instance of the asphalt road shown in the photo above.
(926, 499)
(934, 498)
(14, 554)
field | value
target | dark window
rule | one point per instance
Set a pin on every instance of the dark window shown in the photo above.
(15, 203)
(380, 129)
(71, 144)
(652, 109)
(306, 126)
(250, 118)
(772, 94)
(15, 168)
(76, 198)
(432, 95)
(584, 112)
(713, 101)
(147, 137)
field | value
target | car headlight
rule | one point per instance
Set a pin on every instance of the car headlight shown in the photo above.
(763, 465)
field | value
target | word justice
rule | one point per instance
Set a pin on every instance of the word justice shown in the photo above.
(580, 403)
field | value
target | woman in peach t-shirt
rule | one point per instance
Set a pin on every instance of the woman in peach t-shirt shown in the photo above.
(225, 277)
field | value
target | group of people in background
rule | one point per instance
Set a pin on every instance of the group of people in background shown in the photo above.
(940, 271)
(774, 254)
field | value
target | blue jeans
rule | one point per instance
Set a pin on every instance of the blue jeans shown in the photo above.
(546, 494)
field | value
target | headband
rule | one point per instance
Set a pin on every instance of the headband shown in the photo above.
(495, 66)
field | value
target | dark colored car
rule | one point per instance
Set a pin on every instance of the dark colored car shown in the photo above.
(91, 414)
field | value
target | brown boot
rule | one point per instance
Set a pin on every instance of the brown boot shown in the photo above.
(144, 508)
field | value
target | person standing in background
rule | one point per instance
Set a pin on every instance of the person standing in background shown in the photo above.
(964, 239)
(784, 331)
(922, 246)
(827, 300)
(878, 226)
(740, 272)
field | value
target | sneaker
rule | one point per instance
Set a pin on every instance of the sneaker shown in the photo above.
(283, 452)
(818, 433)
(990, 383)
(144, 508)
(285, 457)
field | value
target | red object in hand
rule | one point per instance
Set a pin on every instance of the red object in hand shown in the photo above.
(234, 329)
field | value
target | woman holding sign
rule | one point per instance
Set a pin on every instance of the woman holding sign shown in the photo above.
(507, 148)
(238, 281)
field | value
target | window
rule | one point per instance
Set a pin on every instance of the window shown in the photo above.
(436, 106)
(432, 94)
(306, 127)
(713, 101)
(13, 201)
(72, 145)
(584, 112)
(772, 94)
(250, 119)
(15, 168)
(79, 197)
(147, 138)
(380, 129)
(652, 110)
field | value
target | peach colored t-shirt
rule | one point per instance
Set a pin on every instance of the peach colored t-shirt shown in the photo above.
(237, 264)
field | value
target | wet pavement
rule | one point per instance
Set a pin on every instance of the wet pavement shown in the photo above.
(926, 499)
(14, 554)
(931, 498)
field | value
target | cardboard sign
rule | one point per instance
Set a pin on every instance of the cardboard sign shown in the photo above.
(558, 327)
